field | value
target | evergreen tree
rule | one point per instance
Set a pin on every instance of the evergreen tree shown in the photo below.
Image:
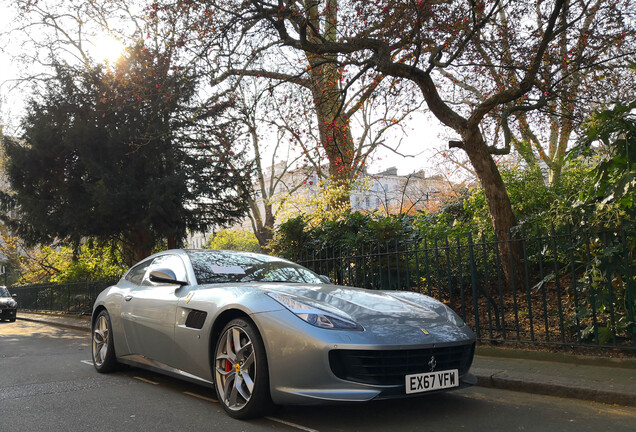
(123, 153)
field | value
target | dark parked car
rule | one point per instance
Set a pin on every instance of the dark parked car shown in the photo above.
(8, 305)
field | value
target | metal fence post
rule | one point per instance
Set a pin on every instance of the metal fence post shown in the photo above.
(514, 287)
(590, 282)
(416, 249)
(542, 286)
(426, 267)
(474, 281)
(438, 279)
(448, 271)
(528, 288)
(574, 287)
(460, 281)
(397, 266)
(629, 295)
(610, 289)
(486, 284)
(500, 286)
(557, 281)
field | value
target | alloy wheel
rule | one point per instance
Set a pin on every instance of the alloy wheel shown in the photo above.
(235, 364)
(101, 334)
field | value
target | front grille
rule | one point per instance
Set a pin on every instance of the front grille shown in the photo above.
(388, 367)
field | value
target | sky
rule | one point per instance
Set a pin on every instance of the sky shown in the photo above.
(423, 140)
(10, 102)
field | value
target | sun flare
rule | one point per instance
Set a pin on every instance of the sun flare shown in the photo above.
(107, 48)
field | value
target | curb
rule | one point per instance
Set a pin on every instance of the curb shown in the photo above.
(557, 357)
(503, 381)
(56, 323)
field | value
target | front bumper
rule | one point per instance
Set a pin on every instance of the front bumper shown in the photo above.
(301, 362)
(8, 313)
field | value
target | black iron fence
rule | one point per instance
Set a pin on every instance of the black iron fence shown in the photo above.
(576, 288)
(74, 297)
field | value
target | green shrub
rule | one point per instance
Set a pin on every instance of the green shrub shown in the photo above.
(239, 240)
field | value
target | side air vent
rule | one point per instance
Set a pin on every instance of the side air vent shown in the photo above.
(196, 319)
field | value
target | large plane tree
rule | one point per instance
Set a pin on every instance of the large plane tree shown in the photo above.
(343, 121)
(420, 41)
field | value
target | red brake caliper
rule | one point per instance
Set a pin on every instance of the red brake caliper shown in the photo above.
(228, 364)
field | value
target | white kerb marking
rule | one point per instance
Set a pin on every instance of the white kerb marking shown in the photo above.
(294, 425)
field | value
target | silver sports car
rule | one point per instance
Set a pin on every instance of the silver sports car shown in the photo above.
(265, 331)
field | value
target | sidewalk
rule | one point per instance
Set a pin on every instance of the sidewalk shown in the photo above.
(74, 322)
(598, 379)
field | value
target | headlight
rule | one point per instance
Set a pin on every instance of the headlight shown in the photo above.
(453, 317)
(313, 315)
(12, 303)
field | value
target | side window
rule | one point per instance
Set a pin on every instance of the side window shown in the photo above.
(136, 274)
(172, 262)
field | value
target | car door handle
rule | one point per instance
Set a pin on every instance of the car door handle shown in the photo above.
(128, 298)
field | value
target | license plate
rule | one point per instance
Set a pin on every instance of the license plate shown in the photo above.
(430, 381)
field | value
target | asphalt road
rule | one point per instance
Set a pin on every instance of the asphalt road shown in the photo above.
(48, 384)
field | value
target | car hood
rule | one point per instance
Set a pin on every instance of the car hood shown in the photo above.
(386, 314)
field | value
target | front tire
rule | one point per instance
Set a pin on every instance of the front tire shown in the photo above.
(241, 376)
(103, 350)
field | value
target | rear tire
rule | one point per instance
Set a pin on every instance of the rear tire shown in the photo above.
(103, 348)
(241, 376)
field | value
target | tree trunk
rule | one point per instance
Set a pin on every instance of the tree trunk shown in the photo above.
(263, 228)
(172, 242)
(141, 246)
(499, 206)
(333, 126)
(325, 84)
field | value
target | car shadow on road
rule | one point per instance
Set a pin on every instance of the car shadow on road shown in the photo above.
(410, 413)
(382, 415)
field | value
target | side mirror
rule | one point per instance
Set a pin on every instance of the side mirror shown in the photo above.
(166, 276)
(14, 295)
(324, 278)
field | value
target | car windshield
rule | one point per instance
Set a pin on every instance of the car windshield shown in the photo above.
(224, 266)
(4, 292)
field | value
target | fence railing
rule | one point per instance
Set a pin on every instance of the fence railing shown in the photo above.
(571, 289)
(74, 297)
(576, 288)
